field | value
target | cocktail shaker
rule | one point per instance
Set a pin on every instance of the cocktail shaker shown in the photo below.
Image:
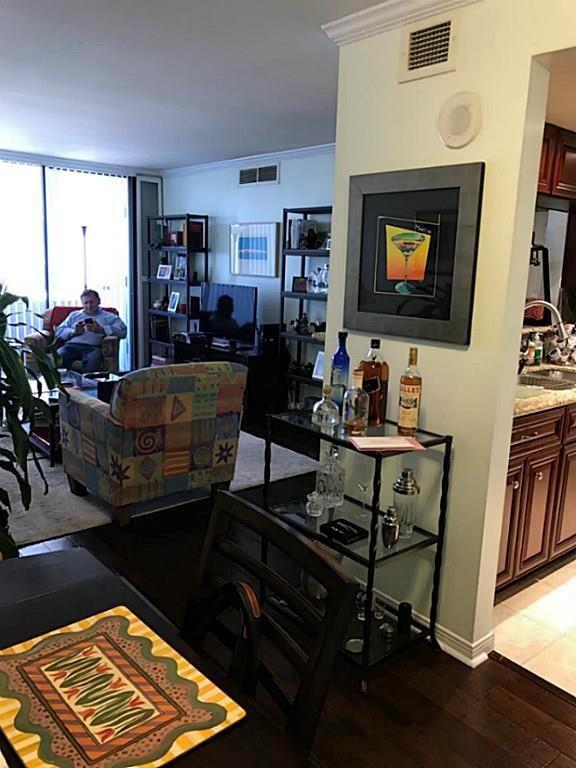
(390, 527)
(406, 491)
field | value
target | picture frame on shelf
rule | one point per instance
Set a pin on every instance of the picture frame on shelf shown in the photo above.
(254, 249)
(318, 372)
(299, 284)
(174, 301)
(180, 268)
(164, 272)
(412, 252)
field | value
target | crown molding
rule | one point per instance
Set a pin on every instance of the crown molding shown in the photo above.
(268, 157)
(387, 15)
(74, 165)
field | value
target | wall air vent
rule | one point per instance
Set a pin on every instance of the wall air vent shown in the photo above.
(266, 174)
(428, 49)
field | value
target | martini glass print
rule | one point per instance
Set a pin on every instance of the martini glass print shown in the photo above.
(407, 243)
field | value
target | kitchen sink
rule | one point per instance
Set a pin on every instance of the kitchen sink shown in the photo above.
(552, 379)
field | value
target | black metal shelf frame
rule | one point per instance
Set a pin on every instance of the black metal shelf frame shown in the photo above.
(304, 255)
(186, 282)
(368, 553)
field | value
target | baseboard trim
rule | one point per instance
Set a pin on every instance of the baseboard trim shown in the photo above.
(471, 654)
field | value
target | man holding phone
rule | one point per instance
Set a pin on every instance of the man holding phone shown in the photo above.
(84, 330)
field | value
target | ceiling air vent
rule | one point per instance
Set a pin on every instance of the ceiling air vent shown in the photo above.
(266, 174)
(428, 49)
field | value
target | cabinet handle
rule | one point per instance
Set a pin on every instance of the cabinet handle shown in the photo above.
(516, 485)
(529, 436)
(539, 475)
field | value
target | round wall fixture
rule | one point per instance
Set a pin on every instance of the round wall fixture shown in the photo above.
(460, 120)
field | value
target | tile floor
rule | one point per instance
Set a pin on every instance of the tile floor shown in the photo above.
(536, 627)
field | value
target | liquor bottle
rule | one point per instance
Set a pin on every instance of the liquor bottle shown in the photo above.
(375, 382)
(330, 480)
(325, 413)
(356, 406)
(410, 393)
(340, 369)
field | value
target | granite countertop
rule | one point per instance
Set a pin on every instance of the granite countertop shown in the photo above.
(543, 399)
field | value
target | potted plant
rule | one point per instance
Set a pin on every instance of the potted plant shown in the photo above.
(20, 406)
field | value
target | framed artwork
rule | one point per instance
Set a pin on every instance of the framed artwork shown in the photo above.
(254, 249)
(180, 268)
(318, 372)
(174, 301)
(412, 248)
(299, 284)
(164, 271)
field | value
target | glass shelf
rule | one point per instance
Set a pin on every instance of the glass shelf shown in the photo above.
(303, 420)
(294, 513)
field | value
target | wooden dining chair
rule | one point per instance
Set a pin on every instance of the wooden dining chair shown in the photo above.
(278, 625)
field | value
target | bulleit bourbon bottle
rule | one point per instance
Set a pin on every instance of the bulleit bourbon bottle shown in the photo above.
(410, 394)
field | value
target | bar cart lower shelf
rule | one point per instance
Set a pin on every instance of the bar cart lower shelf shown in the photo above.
(369, 552)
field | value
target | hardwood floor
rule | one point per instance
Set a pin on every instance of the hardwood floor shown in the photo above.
(422, 708)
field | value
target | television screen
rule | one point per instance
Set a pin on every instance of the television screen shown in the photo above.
(228, 311)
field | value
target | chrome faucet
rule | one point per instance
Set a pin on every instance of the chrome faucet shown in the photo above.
(554, 310)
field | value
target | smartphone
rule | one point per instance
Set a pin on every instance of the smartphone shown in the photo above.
(89, 322)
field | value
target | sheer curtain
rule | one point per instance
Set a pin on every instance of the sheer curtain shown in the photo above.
(22, 251)
(98, 203)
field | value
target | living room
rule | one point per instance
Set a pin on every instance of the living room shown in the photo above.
(216, 179)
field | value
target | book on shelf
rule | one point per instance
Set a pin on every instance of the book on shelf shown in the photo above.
(157, 360)
(159, 328)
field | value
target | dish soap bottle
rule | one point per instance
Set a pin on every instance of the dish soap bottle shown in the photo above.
(410, 394)
(375, 383)
(538, 349)
(340, 369)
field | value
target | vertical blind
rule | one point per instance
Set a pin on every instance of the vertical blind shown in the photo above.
(87, 238)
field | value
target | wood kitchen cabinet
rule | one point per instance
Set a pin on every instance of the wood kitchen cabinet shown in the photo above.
(537, 510)
(547, 158)
(540, 463)
(564, 534)
(513, 498)
(558, 163)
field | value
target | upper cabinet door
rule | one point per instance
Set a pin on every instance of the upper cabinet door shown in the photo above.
(564, 175)
(547, 159)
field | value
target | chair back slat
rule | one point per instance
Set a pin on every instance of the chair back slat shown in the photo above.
(275, 583)
(303, 634)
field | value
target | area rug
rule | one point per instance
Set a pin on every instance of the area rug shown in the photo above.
(59, 513)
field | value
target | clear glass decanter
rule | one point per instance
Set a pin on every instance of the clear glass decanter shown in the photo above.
(356, 407)
(325, 413)
(330, 480)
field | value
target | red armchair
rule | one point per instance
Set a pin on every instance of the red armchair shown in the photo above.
(52, 319)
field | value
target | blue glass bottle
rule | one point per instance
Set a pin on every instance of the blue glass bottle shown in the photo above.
(340, 370)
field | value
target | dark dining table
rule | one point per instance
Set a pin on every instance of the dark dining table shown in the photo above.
(41, 593)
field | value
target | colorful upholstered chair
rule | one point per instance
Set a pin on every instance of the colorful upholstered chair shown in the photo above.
(166, 431)
(52, 319)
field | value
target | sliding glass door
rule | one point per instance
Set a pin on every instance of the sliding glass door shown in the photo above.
(89, 242)
(22, 260)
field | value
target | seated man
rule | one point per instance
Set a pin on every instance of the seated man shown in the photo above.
(84, 330)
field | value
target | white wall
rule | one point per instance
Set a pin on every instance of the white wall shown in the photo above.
(468, 392)
(306, 178)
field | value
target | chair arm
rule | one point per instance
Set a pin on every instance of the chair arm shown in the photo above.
(40, 339)
(110, 353)
(80, 409)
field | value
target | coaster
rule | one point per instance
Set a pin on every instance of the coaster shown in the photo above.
(106, 692)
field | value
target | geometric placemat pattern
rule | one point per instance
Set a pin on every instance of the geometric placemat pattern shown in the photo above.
(106, 692)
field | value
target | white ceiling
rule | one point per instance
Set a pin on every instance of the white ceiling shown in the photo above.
(562, 94)
(167, 83)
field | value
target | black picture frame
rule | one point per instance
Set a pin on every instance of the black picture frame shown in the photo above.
(432, 214)
(299, 284)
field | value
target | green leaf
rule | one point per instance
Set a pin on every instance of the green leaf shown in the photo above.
(6, 299)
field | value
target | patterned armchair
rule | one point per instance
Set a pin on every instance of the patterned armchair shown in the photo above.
(52, 319)
(167, 430)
